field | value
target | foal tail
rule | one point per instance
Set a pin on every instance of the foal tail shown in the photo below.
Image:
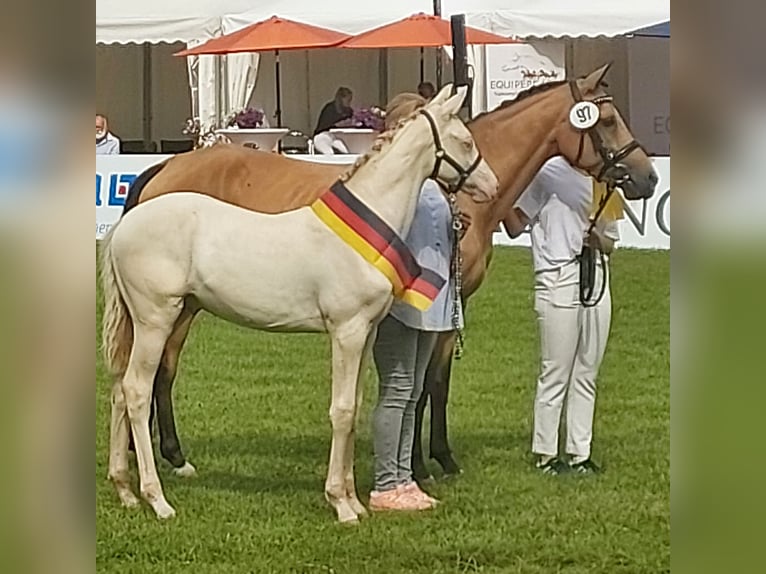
(117, 333)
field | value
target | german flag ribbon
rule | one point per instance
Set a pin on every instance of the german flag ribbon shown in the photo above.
(373, 239)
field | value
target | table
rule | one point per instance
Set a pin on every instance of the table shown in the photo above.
(357, 140)
(265, 138)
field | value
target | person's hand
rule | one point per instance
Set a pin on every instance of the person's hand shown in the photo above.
(600, 241)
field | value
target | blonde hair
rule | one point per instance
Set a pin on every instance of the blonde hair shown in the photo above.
(402, 106)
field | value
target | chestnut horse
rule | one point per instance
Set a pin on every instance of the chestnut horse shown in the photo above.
(515, 139)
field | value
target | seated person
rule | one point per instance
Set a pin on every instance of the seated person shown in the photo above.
(106, 142)
(333, 115)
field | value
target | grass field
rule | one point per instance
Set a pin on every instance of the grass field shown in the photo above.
(252, 415)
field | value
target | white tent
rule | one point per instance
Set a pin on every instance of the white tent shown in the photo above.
(373, 75)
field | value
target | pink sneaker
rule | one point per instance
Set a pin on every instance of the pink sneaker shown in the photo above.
(412, 489)
(396, 499)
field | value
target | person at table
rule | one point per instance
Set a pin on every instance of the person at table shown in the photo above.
(426, 90)
(333, 115)
(106, 142)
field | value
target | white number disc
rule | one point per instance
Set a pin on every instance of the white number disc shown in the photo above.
(584, 115)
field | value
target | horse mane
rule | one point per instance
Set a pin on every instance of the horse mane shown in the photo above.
(538, 89)
(385, 137)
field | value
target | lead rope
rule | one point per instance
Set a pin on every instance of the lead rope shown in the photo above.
(586, 299)
(456, 269)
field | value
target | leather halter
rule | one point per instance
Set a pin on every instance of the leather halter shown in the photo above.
(610, 158)
(443, 155)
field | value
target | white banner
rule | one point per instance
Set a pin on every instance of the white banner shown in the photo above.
(649, 65)
(646, 224)
(513, 68)
(114, 174)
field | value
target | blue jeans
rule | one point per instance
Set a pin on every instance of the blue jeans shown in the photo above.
(401, 357)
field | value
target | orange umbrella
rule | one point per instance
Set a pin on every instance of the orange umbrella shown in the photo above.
(420, 31)
(273, 34)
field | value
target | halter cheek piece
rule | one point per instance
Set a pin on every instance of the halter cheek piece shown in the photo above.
(443, 155)
(610, 158)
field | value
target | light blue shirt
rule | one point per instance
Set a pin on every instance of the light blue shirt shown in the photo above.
(430, 241)
(109, 145)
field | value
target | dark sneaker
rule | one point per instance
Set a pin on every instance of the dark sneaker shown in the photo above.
(585, 467)
(553, 467)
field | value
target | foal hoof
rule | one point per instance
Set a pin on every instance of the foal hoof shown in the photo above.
(185, 471)
(163, 510)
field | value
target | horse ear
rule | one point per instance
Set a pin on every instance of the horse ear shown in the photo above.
(590, 82)
(452, 106)
(442, 96)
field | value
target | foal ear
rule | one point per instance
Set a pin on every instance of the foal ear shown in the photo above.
(452, 106)
(442, 96)
(591, 82)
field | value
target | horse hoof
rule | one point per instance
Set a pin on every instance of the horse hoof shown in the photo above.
(129, 500)
(185, 471)
(163, 510)
(448, 464)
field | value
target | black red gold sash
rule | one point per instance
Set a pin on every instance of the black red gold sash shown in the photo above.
(374, 240)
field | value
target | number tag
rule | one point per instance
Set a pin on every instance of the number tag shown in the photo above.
(584, 115)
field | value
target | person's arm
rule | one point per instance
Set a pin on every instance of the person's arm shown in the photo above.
(515, 222)
(605, 235)
(113, 147)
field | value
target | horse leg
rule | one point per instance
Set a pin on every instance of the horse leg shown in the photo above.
(148, 344)
(439, 371)
(419, 471)
(353, 499)
(170, 447)
(118, 448)
(347, 349)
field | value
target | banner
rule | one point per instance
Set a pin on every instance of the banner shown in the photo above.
(513, 68)
(646, 224)
(649, 65)
(114, 174)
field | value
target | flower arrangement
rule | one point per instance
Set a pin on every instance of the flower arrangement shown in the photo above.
(202, 137)
(371, 118)
(246, 119)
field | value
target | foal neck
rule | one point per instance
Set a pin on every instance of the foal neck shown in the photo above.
(388, 179)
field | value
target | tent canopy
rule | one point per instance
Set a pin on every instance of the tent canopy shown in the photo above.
(661, 30)
(118, 21)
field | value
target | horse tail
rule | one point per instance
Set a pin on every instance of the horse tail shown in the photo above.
(134, 191)
(117, 333)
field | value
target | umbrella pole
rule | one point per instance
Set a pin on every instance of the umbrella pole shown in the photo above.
(279, 90)
(422, 66)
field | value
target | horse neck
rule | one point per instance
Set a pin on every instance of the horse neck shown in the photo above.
(389, 181)
(515, 141)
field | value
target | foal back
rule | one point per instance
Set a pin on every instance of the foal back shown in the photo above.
(285, 272)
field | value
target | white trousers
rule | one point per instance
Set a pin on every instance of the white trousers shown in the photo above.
(572, 344)
(327, 143)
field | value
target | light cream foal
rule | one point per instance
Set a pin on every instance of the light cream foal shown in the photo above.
(286, 272)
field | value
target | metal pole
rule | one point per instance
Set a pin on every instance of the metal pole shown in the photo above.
(422, 66)
(279, 89)
(147, 96)
(438, 12)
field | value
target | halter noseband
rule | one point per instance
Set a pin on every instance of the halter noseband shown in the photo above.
(610, 158)
(443, 155)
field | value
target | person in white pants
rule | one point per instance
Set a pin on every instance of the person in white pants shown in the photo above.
(558, 206)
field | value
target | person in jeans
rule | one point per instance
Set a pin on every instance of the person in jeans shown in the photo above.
(558, 205)
(405, 342)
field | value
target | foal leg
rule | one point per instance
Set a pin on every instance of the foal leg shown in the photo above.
(170, 447)
(118, 448)
(353, 499)
(419, 470)
(439, 375)
(347, 348)
(137, 385)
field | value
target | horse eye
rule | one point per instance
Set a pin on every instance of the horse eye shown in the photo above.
(468, 144)
(609, 122)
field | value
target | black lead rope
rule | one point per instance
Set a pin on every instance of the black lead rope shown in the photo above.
(587, 261)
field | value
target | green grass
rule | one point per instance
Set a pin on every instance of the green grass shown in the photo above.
(252, 414)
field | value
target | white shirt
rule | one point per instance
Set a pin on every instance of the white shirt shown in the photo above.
(109, 145)
(558, 204)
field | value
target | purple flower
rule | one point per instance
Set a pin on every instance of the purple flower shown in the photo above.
(368, 118)
(247, 119)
